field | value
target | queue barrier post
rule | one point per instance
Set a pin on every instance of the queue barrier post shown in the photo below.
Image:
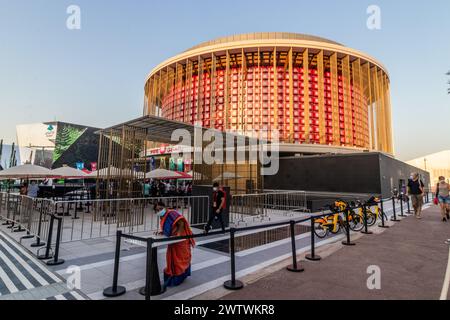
(401, 206)
(116, 290)
(56, 261)
(312, 256)
(152, 282)
(38, 242)
(394, 218)
(383, 222)
(233, 284)
(366, 227)
(47, 255)
(295, 267)
(408, 206)
(348, 241)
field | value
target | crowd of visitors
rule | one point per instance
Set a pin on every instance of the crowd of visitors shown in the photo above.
(167, 188)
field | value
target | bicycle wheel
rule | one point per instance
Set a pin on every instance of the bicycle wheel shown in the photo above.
(371, 218)
(356, 222)
(320, 229)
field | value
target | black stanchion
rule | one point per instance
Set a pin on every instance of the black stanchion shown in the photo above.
(383, 222)
(49, 241)
(348, 241)
(19, 229)
(28, 236)
(295, 265)
(401, 207)
(394, 218)
(152, 281)
(233, 284)
(366, 227)
(38, 242)
(312, 256)
(56, 261)
(408, 206)
(116, 290)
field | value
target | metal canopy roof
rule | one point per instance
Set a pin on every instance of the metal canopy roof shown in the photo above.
(160, 129)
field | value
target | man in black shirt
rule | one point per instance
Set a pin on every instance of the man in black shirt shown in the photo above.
(219, 202)
(416, 191)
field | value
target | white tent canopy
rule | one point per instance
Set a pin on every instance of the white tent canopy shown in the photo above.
(68, 172)
(26, 171)
(112, 172)
(162, 174)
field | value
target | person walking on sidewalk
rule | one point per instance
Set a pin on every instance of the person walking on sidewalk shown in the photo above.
(218, 205)
(416, 191)
(443, 195)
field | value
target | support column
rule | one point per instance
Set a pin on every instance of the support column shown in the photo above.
(335, 99)
(347, 101)
(307, 127)
(291, 96)
(275, 89)
(321, 88)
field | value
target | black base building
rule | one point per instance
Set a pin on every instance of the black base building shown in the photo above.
(369, 173)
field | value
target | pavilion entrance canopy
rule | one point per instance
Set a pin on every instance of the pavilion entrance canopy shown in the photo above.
(126, 147)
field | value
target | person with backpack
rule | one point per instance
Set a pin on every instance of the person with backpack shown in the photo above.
(218, 205)
(443, 197)
(416, 191)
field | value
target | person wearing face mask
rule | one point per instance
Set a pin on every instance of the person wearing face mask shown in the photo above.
(178, 256)
(218, 205)
(416, 192)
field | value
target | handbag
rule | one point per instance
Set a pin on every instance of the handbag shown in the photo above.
(436, 199)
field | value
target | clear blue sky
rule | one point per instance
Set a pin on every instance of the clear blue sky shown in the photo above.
(95, 76)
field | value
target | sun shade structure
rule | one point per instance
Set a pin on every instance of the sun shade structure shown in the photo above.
(128, 145)
(163, 174)
(68, 172)
(26, 171)
(227, 176)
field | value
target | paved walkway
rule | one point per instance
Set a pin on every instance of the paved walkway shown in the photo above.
(411, 255)
(23, 277)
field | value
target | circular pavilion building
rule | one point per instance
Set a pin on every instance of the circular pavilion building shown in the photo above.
(321, 96)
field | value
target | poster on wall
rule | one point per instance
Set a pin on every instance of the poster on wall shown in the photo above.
(80, 165)
(152, 163)
(188, 165)
(172, 165)
(180, 165)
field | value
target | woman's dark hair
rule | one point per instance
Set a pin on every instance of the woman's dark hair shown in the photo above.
(161, 204)
(215, 184)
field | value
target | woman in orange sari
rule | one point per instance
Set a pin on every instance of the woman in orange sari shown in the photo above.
(178, 256)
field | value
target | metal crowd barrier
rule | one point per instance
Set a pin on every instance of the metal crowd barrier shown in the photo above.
(40, 218)
(90, 219)
(261, 206)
